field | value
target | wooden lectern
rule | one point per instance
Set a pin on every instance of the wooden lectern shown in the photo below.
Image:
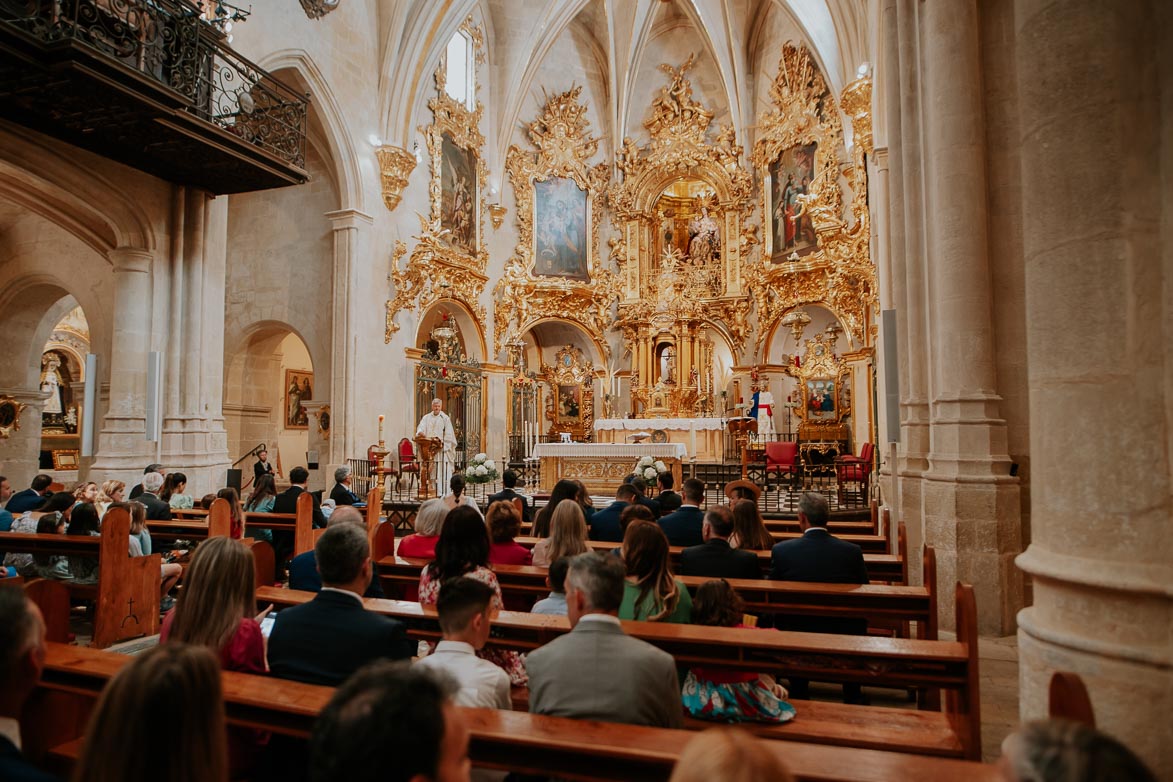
(429, 447)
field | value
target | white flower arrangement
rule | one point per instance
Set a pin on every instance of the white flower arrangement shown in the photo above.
(481, 469)
(649, 469)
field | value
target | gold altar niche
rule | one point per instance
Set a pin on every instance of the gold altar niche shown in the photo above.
(824, 411)
(554, 272)
(816, 250)
(570, 401)
(450, 257)
(683, 212)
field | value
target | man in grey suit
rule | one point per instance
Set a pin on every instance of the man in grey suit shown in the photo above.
(596, 671)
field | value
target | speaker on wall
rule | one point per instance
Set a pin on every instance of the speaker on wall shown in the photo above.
(154, 383)
(234, 478)
(891, 373)
(89, 405)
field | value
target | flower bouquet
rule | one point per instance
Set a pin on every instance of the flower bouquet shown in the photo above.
(481, 469)
(649, 469)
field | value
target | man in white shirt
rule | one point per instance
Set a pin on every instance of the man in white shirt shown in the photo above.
(437, 425)
(465, 607)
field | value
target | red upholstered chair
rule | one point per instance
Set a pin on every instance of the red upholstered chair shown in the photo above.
(855, 469)
(408, 465)
(782, 459)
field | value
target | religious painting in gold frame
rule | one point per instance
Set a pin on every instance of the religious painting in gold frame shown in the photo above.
(459, 193)
(561, 222)
(10, 411)
(299, 387)
(791, 176)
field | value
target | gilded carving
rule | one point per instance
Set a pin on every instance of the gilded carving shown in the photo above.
(527, 292)
(837, 271)
(395, 166)
(570, 406)
(449, 258)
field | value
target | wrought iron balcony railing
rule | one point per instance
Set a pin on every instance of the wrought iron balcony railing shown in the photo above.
(166, 42)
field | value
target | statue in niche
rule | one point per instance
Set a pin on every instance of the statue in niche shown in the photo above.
(705, 243)
(51, 382)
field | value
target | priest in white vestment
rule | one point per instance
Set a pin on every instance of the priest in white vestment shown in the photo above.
(438, 425)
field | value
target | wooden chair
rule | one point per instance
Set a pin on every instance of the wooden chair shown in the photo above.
(1069, 699)
(408, 464)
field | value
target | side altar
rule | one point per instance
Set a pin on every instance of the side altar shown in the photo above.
(702, 437)
(602, 466)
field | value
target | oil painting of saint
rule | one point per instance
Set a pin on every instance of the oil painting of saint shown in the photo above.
(791, 229)
(298, 389)
(560, 229)
(569, 403)
(458, 194)
(820, 399)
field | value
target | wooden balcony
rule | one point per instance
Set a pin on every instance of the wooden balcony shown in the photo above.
(151, 85)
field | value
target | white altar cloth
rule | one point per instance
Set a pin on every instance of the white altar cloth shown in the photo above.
(606, 450)
(651, 424)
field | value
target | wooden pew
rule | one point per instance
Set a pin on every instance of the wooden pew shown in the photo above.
(886, 606)
(884, 662)
(126, 597)
(1068, 699)
(213, 523)
(888, 568)
(515, 741)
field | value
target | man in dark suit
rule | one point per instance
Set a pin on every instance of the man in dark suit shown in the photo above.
(31, 498)
(605, 523)
(683, 527)
(286, 501)
(341, 493)
(327, 639)
(714, 558)
(510, 493)
(820, 557)
(262, 467)
(641, 494)
(303, 569)
(22, 652)
(138, 487)
(157, 510)
(668, 499)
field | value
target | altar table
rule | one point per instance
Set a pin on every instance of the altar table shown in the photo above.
(602, 466)
(703, 437)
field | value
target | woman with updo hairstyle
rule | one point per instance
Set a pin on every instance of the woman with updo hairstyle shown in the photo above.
(730, 695)
(172, 492)
(160, 717)
(456, 496)
(563, 490)
(86, 491)
(650, 592)
(111, 492)
(749, 531)
(1065, 751)
(568, 535)
(729, 755)
(504, 524)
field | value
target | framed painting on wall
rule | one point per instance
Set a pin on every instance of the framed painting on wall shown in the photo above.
(821, 399)
(458, 193)
(569, 404)
(299, 387)
(561, 224)
(791, 175)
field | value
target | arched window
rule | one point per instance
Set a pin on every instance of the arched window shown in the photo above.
(460, 78)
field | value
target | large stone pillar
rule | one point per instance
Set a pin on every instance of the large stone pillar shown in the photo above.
(349, 234)
(21, 450)
(122, 449)
(1097, 143)
(971, 503)
(914, 347)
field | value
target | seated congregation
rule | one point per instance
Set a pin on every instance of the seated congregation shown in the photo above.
(588, 625)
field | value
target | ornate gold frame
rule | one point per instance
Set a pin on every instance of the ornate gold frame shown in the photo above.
(571, 368)
(15, 409)
(436, 268)
(679, 147)
(840, 273)
(563, 146)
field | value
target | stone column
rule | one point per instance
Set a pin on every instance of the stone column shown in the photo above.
(914, 346)
(21, 450)
(1098, 211)
(122, 448)
(348, 227)
(970, 502)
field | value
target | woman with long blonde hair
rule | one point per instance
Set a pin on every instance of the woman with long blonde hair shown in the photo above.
(111, 492)
(650, 592)
(165, 713)
(215, 608)
(568, 535)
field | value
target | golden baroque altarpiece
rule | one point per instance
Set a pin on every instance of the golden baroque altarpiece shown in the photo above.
(691, 262)
(449, 260)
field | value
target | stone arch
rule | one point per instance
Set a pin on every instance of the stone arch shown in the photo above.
(70, 194)
(767, 335)
(339, 138)
(475, 345)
